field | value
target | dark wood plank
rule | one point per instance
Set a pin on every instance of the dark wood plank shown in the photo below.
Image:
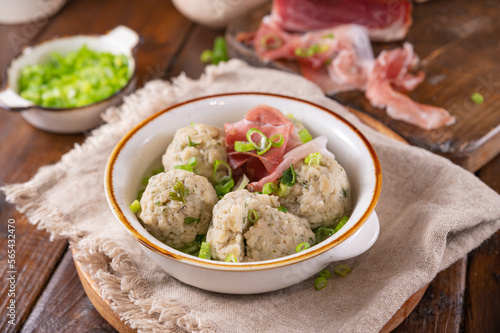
(64, 306)
(440, 310)
(483, 273)
(457, 41)
(163, 30)
(188, 59)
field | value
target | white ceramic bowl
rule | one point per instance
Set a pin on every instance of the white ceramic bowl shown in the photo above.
(120, 40)
(141, 149)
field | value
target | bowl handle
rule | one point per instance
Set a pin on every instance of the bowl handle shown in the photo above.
(358, 243)
(125, 36)
(11, 101)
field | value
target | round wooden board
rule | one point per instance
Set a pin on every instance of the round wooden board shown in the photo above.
(103, 306)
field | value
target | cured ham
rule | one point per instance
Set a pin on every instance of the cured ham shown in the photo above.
(391, 71)
(386, 20)
(317, 145)
(341, 59)
(270, 122)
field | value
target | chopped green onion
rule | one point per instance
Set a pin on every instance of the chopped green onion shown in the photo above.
(188, 220)
(283, 190)
(179, 192)
(219, 52)
(243, 146)
(191, 143)
(341, 224)
(283, 209)
(325, 273)
(192, 162)
(342, 270)
(145, 180)
(271, 42)
(305, 136)
(183, 167)
(289, 176)
(135, 206)
(302, 247)
(314, 158)
(253, 216)
(344, 193)
(206, 56)
(242, 183)
(323, 233)
(231, 258)
(78, 78)
(278, 143)
(477, 98)
(330, 35)
(269, 188)
(217, 163)
(311, 51)
(320, 283)
(262, 142)
(224, 187)
(205, 251)
(269, 144)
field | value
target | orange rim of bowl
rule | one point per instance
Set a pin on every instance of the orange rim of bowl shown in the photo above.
(246, 266)
(131, 79)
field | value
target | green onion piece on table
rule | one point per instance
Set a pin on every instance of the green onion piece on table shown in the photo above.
(302, 247)
(205, 251)
(231, 258)
(325, 273)
(253, 216)
(320, 283)
(206, 56)
(135, 206)
(305, 136)
(477, 98)
(342, 270)
(219, 52)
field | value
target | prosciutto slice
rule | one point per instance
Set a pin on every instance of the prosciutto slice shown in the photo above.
(317, 145)
(269, 121)
(386, 20)
(346, 62)
(391, 71)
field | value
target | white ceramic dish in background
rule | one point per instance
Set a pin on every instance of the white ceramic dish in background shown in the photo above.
(120, 40)
(141, 149)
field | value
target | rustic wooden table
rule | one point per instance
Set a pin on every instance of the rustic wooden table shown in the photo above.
(49, 295)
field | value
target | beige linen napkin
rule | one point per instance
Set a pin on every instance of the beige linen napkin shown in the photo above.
(431, 213)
